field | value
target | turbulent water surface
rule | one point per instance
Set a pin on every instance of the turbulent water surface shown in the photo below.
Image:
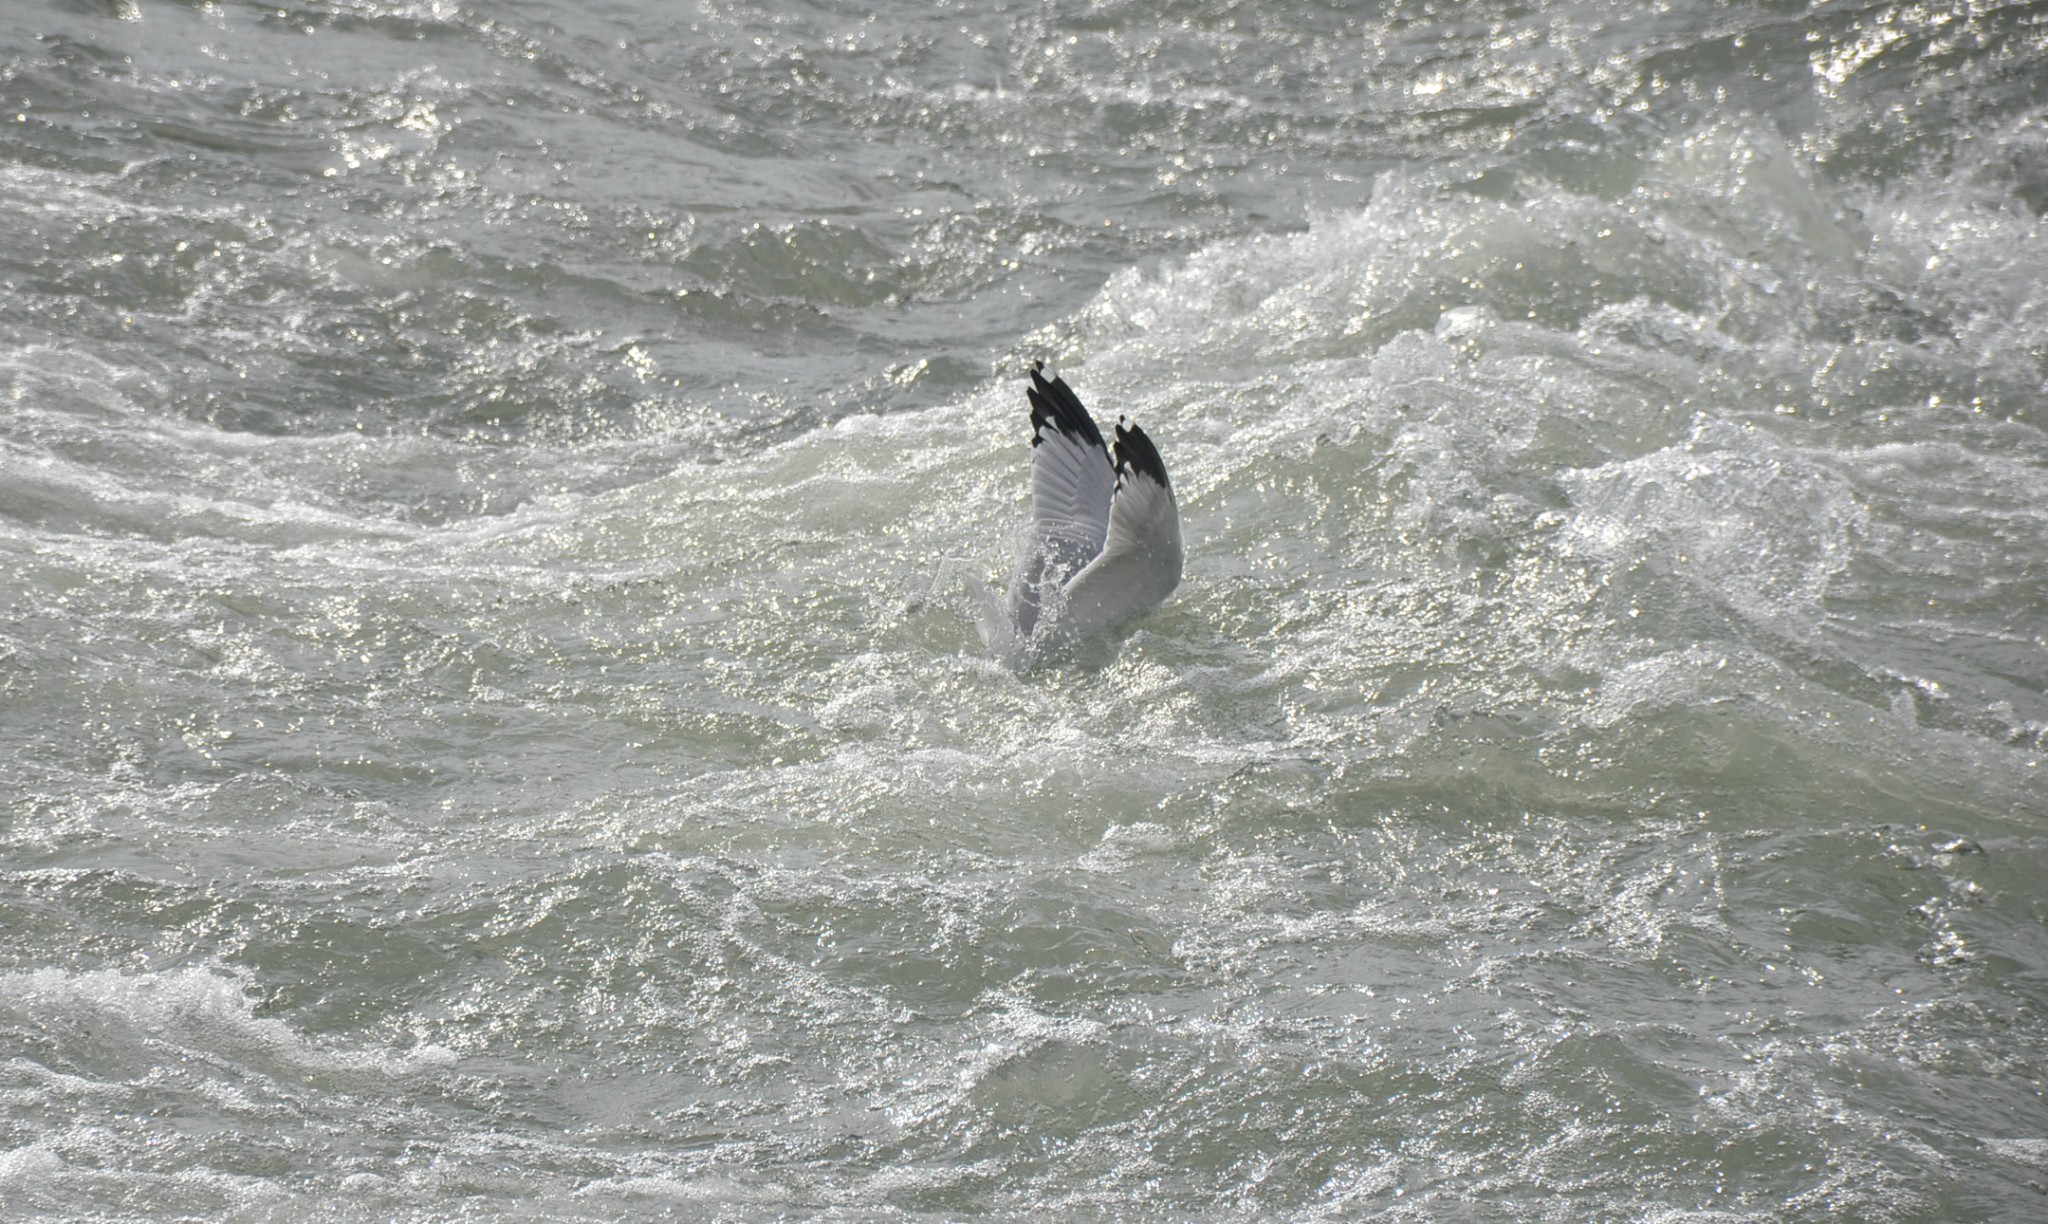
(499, 504)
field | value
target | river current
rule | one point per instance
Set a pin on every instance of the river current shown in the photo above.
(499, 504)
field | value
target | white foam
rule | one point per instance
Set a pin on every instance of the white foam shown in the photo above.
(194, 1009)
(1739, 518)
(36, 1162)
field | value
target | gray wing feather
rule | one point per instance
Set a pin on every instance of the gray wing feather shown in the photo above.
(1141, 557)
(1073, 481)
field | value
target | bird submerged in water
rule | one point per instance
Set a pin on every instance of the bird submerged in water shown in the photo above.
(1105, 531)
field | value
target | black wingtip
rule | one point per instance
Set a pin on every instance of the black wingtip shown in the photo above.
(1136, 455)
(1054, 402)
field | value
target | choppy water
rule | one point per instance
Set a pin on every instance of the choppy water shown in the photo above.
(494, 500)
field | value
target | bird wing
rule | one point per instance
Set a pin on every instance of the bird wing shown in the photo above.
(1140, 561)
(1073, 483)
(1073, 479)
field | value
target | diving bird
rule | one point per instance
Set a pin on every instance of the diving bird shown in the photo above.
(1105, 532)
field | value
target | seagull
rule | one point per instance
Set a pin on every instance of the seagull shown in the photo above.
(1105, 532)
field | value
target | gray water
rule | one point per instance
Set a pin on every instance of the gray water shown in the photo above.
(497, 502)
